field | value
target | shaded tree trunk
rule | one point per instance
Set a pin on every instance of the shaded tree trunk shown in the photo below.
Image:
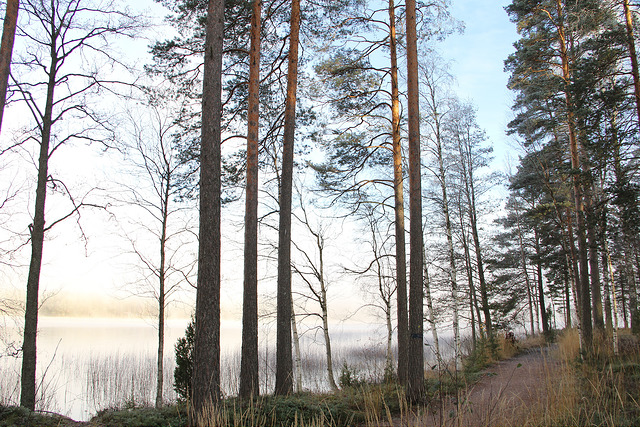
(415, 383)
(284, 365)
(206, 357)
(249, 385)
(6, 50)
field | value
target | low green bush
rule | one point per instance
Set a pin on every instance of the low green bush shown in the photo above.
(12, 416)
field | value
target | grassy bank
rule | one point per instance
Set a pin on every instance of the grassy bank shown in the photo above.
(602, 389)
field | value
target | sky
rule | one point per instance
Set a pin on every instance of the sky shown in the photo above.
(478, 63)
(476, 56)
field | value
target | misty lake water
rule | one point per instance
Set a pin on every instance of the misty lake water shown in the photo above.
(85, 365)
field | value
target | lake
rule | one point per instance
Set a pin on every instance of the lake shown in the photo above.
(85, 365)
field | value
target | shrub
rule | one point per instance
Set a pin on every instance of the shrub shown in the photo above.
(167, 416)
(11, 416)
(348, 377)
(184, 363)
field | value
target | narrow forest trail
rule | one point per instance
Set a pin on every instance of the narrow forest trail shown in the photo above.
(509, 393)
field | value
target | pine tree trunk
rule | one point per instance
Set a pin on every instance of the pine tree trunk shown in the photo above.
(249, 381)
(585, 300)
(401, 257)
(415, 390)
(6, 50)
(284, 365)
(206, 354)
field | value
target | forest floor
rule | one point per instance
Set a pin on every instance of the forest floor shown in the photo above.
(509, 393)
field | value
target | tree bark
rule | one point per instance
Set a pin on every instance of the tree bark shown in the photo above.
(249, 385)
(6, 50)
(284, 364)
(206, 359)
(401, 256)
(415, 390)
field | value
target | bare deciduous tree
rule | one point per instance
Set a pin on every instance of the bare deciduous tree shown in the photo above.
(312, 271)
(57, 85)
(166, 264)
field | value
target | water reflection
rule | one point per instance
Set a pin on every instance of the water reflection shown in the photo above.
(85, 365)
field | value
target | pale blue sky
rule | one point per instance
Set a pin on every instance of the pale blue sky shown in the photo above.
(477, 58)
(477, 62)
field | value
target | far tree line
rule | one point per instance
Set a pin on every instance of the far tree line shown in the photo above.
(294, 79)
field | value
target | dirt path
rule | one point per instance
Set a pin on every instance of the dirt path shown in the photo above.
(508, 394)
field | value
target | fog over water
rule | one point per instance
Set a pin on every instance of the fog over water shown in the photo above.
(89, 364)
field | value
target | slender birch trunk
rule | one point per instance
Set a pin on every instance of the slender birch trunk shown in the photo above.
(296, 347)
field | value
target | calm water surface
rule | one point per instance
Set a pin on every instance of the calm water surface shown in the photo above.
(85, 365)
